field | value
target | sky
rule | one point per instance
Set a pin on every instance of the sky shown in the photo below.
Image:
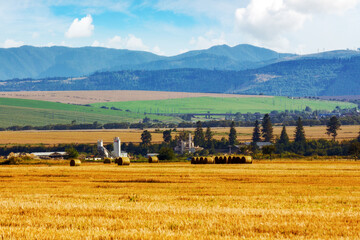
(170, 27)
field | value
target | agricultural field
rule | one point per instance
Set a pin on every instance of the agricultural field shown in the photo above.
(39, 113)
(265, 200)
(133, 135)
(225, 105)
(87, 97)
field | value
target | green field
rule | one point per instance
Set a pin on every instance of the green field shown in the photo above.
(38, 113)
(225, 105)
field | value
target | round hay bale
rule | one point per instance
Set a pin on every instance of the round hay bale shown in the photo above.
(237, 159)
(225, 159)
(124, 161)
(153, 159)
(197, 160)
(75, 162)
(193, 160)
(116, 160)
(246, 160)
(230, 159)
(202, 160)
(107, 161)
(218, 160)
(209, 160)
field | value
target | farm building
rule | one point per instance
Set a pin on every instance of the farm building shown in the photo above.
(48, 155)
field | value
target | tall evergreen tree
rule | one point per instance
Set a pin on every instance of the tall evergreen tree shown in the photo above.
(208, 138)
(232, 134)
(167, 136)
(284, 138)
(199, 139)
(146, 138)
(299, 132)
(267, 128)
(256, 137)
(332, 126)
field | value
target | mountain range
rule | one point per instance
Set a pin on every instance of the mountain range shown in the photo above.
(240, 69)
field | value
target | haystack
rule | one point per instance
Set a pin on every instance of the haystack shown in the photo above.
(124, 161)
(246, 160)
(209, 160)
(153, 159)
(107, 161)
(75, 163)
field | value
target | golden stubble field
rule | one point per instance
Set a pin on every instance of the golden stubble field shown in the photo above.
(265, 200)
(134, 135)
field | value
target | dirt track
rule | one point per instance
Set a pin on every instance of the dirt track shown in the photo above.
(86, 97)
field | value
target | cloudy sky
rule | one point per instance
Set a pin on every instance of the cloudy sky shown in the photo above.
(169, 27)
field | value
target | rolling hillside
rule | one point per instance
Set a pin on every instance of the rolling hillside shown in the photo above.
(39, 113)
(224, 105)
(43, 62)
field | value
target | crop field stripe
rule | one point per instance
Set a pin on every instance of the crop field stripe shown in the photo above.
(34, 112)
(224, 105)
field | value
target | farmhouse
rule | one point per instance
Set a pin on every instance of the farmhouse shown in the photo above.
(48, 155)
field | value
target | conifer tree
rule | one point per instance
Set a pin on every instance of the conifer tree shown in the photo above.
(256, 133)
(199, 139)
(208, 138)
(332, 126)
(284, 138)
(267, 129)
(299, 132)
(232, 134)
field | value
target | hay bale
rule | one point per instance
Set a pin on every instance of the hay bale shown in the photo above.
(246, 160)
(218, 160)
(107, 161)
(209, 160)
(193, 160)
(75, 163)
(153, 159)
(237, 159)
(202, 160)
(123, 161)
(230, 159)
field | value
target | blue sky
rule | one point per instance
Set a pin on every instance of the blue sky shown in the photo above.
(172, 27)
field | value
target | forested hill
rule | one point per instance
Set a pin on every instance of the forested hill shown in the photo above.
(43, 62)
(304, 77)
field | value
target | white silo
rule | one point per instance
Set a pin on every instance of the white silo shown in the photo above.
(117, 147)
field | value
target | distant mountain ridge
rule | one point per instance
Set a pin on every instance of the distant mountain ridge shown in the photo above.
(42, 62)
(302, 77)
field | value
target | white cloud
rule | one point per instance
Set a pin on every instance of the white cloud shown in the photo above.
(158, 51)
(81, 28)
(323, 6)
(208, 40)
(267, 19)
(130, 42)
(9, 43)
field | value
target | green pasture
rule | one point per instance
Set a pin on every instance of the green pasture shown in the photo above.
(38, 113)
(224, 105)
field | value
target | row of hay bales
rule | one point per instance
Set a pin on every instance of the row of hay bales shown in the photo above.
(232, 159)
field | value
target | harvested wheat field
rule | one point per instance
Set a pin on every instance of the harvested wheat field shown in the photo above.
(87, 97)
(134, 135)
(277, 200)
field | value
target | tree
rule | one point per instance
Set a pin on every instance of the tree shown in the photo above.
(232, 134)
(199, 139)
(146, 138)
(267, 129)
(72, 153)
(167, 136)
(256, 137)
(332, 126)
(299, 132)
(284, 138)
(209, 138)
(270, 149)
(166, 153)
